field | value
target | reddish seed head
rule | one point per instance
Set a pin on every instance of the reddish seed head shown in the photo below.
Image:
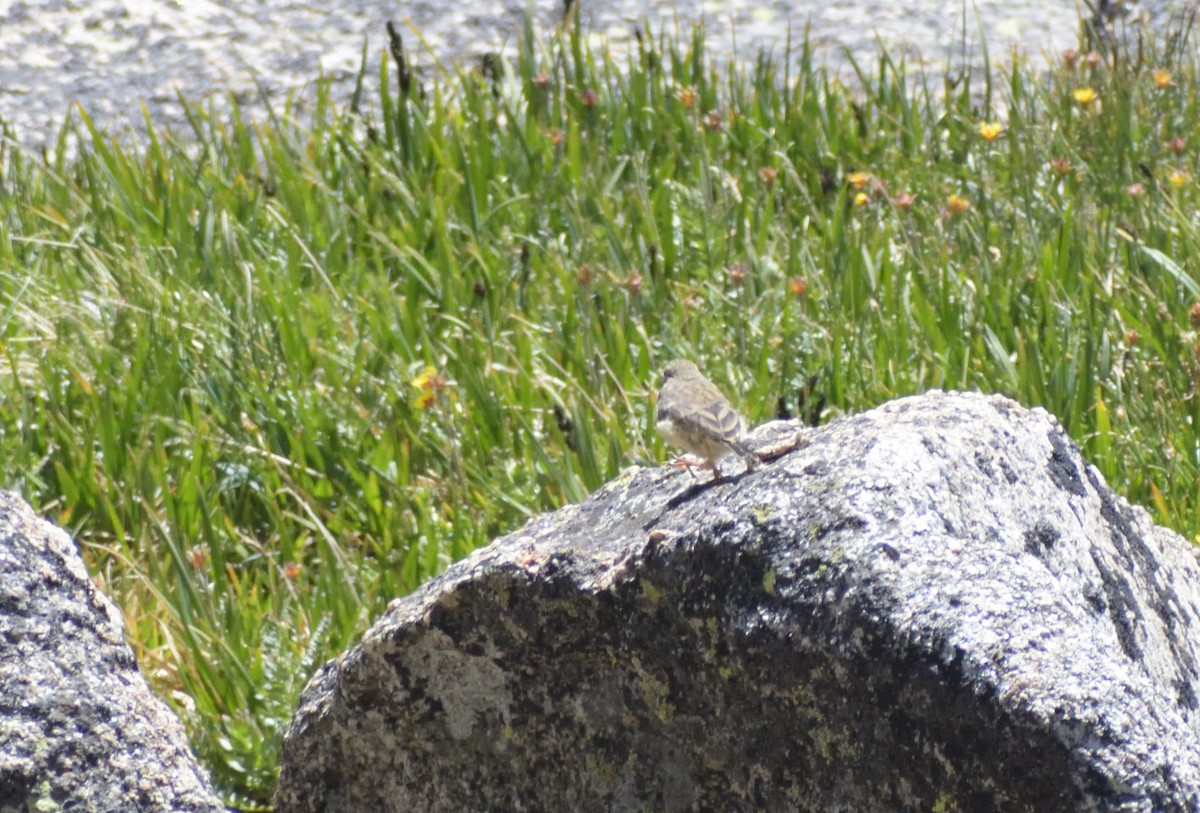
(1060, 165)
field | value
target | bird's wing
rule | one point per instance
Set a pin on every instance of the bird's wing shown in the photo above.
(710, 413)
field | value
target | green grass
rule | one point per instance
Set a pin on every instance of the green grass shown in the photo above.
(212, 343)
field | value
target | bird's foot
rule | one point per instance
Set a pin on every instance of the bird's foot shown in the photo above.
(681, 462)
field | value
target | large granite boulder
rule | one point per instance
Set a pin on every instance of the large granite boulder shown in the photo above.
(935, 605)
(79, 728)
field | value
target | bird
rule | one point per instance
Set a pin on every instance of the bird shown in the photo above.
(693, 415)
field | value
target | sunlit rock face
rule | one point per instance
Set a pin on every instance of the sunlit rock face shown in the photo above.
(934, 605)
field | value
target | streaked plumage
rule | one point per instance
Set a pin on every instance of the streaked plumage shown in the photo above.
(694, 416)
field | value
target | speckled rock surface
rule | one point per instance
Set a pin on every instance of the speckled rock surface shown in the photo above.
(79, 728)
(935, 605)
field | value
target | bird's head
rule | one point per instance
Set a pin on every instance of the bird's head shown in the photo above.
(680, 368)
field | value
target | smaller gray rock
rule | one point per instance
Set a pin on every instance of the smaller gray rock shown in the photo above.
(79, 728)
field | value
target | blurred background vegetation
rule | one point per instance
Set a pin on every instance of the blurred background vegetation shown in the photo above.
(273, 375)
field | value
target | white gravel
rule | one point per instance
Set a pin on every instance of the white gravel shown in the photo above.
(113, 56)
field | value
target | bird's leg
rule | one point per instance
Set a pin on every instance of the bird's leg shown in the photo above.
(680, 462)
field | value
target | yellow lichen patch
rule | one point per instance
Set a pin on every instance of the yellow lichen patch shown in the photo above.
(654, 692)
(650, 593)
(763, 511)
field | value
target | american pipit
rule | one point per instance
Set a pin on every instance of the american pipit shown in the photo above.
(694, 415)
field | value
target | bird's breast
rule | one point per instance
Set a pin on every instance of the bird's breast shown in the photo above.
(692, 439)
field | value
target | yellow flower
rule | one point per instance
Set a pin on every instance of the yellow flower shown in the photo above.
(862, 199)
(429, 384)
(1162, 78)
(1178, 178)
(990, 130)
(425, 379)
(687, 97)
(858, 179)
(1085, 96)
(957, 206)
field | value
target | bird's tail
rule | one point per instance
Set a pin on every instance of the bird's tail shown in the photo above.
(742, 450)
